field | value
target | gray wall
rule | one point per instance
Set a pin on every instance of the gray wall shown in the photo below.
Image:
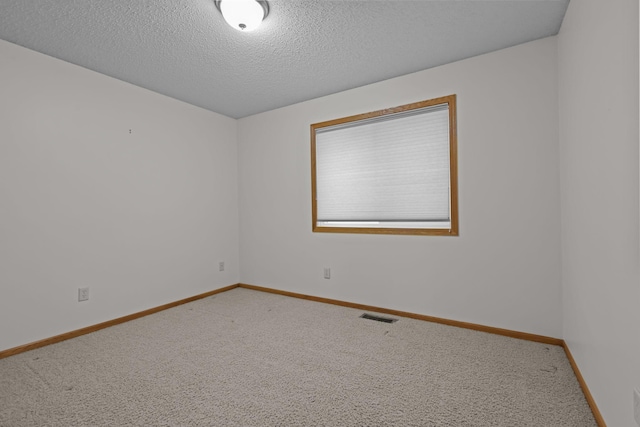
(598, 81)
(504, 268)
(141, 218)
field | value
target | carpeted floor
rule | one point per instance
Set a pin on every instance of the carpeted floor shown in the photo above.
(247, 358)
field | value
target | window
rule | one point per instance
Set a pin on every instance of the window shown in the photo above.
(392, 171)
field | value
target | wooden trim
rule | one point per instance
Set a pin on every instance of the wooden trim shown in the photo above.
(394, 231)
(489, 329)
(103, 325)
(583, 385)
(456, 323)
(453, 162)
(385, 112)
(314, 202)
(450, 100)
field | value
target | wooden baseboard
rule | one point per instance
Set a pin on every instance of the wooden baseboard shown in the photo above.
(459, 324)
(583, 385)
(499, 331)
(93, 328)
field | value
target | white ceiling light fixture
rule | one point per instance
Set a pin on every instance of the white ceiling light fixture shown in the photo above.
(243, 15)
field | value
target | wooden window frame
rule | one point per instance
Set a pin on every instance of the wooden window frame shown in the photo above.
(453, 171)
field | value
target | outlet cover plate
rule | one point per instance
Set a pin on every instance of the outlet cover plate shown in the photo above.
(83, 294)
(636, 406)
(327, 273)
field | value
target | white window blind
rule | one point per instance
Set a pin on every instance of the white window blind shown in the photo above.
(387, 170)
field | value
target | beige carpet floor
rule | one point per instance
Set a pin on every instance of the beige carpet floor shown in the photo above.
(247, 358)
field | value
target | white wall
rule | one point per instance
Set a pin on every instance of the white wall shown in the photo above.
(134, 194)
(598, 96)
(140, 217)
(504, 268)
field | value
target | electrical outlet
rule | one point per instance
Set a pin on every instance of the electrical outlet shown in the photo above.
(83, 294)
(221, 266)
(327, 273)
(636, 406)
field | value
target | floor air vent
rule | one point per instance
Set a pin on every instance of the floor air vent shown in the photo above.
(378, 318)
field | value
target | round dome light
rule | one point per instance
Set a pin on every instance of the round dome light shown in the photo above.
(243, 15)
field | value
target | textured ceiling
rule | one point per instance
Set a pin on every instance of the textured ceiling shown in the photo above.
(303, 50)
